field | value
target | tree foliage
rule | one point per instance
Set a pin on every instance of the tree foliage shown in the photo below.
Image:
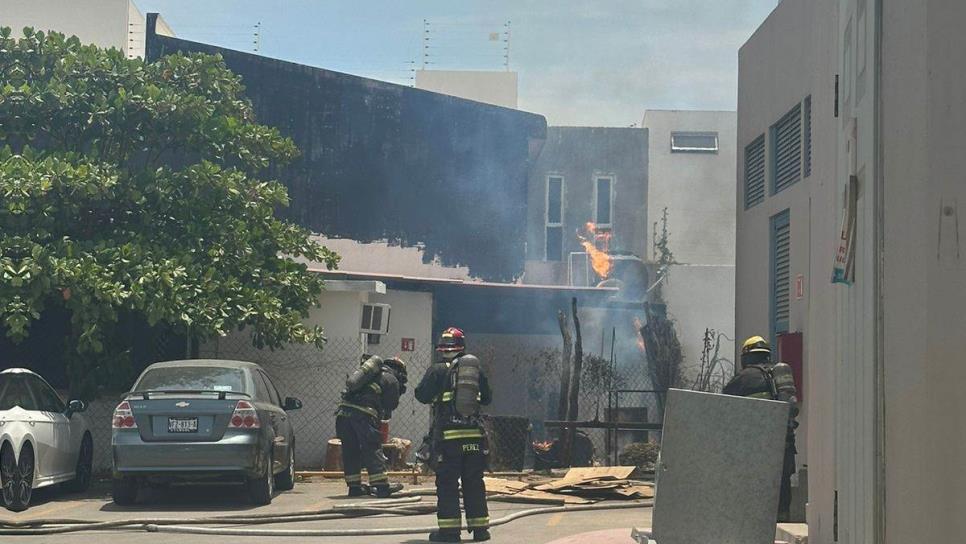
(133, 188)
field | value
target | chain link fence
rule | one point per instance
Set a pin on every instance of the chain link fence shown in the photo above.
(525, 379)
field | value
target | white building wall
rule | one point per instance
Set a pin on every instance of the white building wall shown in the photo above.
(106, 23)
(490, 87)
(696, 188)
(884, 355)
(699, 298)
(791, 56)
(318, 377)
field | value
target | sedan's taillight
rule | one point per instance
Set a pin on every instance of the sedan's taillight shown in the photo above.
(244, 417)
(123, 417)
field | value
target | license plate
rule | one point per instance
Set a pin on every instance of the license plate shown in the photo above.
(182, 424)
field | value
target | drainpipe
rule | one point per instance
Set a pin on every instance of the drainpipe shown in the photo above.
(879, 504)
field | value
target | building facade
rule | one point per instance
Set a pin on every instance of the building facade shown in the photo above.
(691, 157)
(587, 183)
(105, 23)
(849, 243)
(498, 88)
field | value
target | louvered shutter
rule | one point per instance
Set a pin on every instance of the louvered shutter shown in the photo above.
(755, 172)
(786, 138)
(781, 272)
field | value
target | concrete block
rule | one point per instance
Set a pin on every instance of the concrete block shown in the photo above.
(720, 469)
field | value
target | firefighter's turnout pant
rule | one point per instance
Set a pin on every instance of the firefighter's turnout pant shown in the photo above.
(461, 460)
(361, 446)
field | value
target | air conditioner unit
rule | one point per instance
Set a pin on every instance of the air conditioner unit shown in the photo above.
(375, 319)
(580, 273)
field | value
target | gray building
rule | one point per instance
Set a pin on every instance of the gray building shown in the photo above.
(849, 252)
(620, 180)
(585, 175)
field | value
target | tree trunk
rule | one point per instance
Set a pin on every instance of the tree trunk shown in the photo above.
(565, 365)
(574, 396)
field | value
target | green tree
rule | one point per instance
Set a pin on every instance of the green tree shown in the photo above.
(138, 189)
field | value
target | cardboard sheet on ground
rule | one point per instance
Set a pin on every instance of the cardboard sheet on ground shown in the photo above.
(580, 475)
(720, 469)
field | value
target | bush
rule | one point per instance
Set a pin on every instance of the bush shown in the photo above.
(642, 455)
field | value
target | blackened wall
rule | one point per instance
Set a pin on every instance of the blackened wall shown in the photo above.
(388, 162)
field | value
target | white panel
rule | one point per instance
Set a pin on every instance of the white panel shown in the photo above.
(720, 468)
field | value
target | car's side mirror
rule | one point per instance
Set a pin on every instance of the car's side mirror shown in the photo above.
(76, 406)
(291, 403)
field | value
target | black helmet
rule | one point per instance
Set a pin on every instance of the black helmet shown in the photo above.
(398, 366)
(451, 340)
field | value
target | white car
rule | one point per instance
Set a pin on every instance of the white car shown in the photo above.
(42, 440)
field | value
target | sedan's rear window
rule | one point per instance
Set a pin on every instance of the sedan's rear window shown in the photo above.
(192, 378)
(14, 392)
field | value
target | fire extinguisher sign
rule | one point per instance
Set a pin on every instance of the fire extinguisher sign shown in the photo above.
(409, 344)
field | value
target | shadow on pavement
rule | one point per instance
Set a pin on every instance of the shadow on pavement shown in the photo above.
(189, 497)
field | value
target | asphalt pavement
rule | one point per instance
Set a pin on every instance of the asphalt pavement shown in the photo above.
(185, 501)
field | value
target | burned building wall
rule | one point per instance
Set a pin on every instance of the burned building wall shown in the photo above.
(388, 162)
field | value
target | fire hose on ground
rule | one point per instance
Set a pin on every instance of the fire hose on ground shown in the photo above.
(407, 506)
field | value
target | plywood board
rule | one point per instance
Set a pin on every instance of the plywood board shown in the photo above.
(720, 468)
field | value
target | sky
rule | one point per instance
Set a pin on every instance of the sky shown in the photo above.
(582, 63)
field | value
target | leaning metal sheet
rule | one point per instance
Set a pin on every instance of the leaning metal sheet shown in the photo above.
(720, 469)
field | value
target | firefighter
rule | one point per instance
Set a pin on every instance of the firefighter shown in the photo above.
(456, 387)
(372, 393)
(762, 379)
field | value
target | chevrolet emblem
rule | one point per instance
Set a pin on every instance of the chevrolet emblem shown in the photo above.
(183, 404)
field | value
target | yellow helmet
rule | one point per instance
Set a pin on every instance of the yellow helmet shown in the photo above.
(755, 344)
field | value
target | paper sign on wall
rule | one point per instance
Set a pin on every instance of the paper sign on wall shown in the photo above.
(844, 269)
(409, 344)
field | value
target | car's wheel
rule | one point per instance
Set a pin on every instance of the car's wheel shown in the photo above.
(18, 477)
(286, 480)
(262, 487)
(83, 471)
(124, 491)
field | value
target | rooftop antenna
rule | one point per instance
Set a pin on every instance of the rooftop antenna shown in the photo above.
(506, 46)
(425, 43)
(257, 38)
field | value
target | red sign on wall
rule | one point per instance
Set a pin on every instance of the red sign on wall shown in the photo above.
(409, 344)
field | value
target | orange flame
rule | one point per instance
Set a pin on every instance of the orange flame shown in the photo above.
(600, 260)
(638, 325)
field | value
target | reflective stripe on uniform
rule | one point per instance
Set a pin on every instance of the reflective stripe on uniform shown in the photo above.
(455, 434)
(447, 396)
(364, 409)
(448, 523)
(478, 522)
(353, 478)
(375, 387)
(761, 395)
(378, 477)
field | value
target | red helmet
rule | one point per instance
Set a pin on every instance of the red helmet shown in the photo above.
(452, 339)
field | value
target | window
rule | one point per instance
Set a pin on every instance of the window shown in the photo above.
(375, 318)
(14, 392)
(755, 172)
(694, 142)
(603, 187)
(261, 388)
(192, 378)
(47, 398)
(807, 136)
(786, 146)
(554, 219)
(554, 243)
(272, 390)
(780, 272)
